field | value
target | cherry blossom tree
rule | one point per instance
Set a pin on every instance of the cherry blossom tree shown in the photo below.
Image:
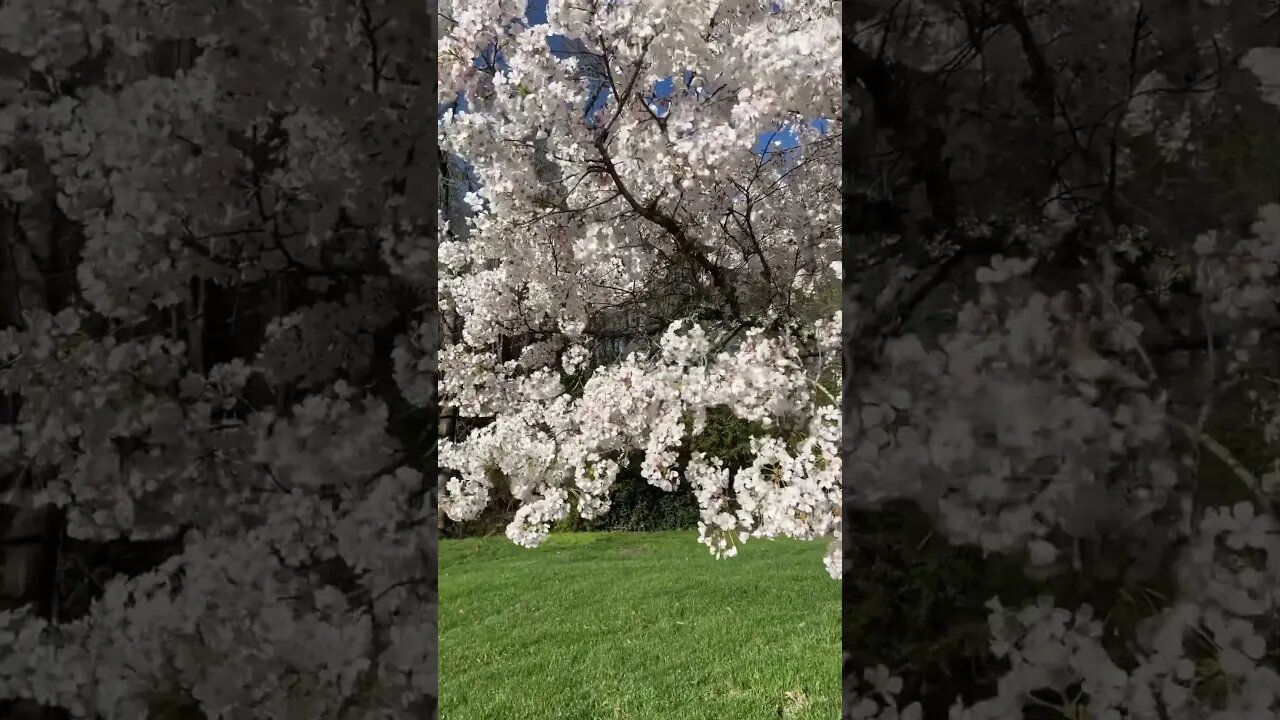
(631, 265)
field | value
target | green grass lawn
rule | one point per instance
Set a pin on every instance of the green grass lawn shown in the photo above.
(637, 626)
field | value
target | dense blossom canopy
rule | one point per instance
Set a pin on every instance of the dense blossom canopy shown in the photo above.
(631, 263)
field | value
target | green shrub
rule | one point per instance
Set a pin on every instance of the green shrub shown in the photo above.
(638, 506)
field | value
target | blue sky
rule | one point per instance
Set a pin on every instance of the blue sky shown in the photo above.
(536, 14)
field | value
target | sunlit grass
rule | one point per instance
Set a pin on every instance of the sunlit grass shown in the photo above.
(636, 626)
